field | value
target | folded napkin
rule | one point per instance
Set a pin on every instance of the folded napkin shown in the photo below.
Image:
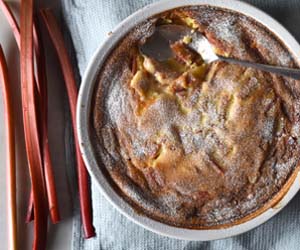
(88, 23)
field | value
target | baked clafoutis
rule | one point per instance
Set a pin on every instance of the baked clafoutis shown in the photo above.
(198, 145)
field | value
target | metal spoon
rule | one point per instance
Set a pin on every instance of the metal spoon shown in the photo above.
(157, 46)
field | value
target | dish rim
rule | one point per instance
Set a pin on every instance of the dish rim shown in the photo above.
(83, 119)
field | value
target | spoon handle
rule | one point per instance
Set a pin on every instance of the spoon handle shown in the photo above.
(289, 72)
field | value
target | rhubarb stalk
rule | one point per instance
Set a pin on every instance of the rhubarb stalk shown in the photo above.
(11, 164)
(31, 126)
(72, 91)
(41, 85)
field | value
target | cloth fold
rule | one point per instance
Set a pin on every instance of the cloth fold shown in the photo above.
(88, 23)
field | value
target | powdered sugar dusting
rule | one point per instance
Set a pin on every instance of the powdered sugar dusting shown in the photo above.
(117, 101)
(267, 44)
(219, 134)
(226, 30)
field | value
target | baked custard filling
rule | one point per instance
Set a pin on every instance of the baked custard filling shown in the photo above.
(192, 144)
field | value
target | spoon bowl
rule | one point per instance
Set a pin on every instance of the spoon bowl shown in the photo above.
(157, 46)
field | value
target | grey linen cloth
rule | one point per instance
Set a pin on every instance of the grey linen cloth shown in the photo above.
(88, 23)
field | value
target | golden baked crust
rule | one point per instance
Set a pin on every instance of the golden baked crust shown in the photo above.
(195, 145)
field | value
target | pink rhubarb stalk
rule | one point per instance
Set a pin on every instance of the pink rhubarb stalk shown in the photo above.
(72, 91)
(31, 126)
(41, 85)
(10, 142)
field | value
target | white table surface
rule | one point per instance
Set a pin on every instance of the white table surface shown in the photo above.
(59, 236)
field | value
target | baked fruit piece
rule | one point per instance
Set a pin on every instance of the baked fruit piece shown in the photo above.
(196, 145)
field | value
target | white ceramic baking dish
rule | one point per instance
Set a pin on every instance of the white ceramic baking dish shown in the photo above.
(84, 107)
